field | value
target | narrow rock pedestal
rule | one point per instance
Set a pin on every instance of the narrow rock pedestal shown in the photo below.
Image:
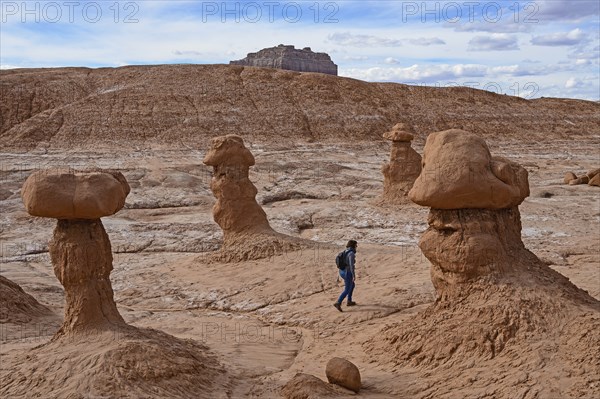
(247, 234)
(403, 168)
(80, 248)
(82, 259)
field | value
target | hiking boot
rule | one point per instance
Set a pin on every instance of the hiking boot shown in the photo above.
(351, 303)
(338, 306)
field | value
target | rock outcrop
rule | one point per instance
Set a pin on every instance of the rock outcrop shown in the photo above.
(569, 176)
(290, 58)
(593, 173)
(246, 230)
(96, 351)
(591, 178)
(17, 306)
(495, 299)
(343, 373)
(404, 166)
(580, 180)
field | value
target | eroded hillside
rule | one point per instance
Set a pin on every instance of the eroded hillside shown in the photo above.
(184, 105)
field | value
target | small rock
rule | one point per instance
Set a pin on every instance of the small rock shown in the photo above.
(569, 176)
(595, 181)
(343, 373)
(580, 180)
(592, 173)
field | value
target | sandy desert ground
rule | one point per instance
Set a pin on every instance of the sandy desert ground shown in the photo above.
(269, 319)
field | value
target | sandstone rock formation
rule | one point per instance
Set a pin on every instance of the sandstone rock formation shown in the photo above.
(290, 58)
(569, 176)
(589, 178)
(65, 194)
(404, 166)
(459, 172)
(236, 210)
(95, 351)
(495, 299)
(246, 230)
(17, 306)
(592, 173)
(580, 180)
(82, 259)
(306, 386)
(80, 249)
(343, 373)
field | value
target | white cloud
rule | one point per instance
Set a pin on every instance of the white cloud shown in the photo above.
(417, 73)
(426, 41)
(359, 40)
(576, 36)
(572, 83)
(355, 58)
(506, 25)
(447, 72)
(187, 52)
(591, 55)
(495, 42)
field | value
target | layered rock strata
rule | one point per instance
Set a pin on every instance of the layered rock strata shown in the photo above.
(290, 58)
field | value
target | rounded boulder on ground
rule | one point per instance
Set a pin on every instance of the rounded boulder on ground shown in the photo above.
(343, 373)
(569, 176)
(68, 194)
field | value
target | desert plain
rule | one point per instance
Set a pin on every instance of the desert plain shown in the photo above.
(318, 177)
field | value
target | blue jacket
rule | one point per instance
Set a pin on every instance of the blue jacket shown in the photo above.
(350, 260)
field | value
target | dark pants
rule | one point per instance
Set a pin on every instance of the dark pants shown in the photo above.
(348, 285)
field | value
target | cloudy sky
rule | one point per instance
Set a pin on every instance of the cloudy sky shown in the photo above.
(547, 48)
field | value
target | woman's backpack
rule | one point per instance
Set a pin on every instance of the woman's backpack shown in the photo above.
(340, 260)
